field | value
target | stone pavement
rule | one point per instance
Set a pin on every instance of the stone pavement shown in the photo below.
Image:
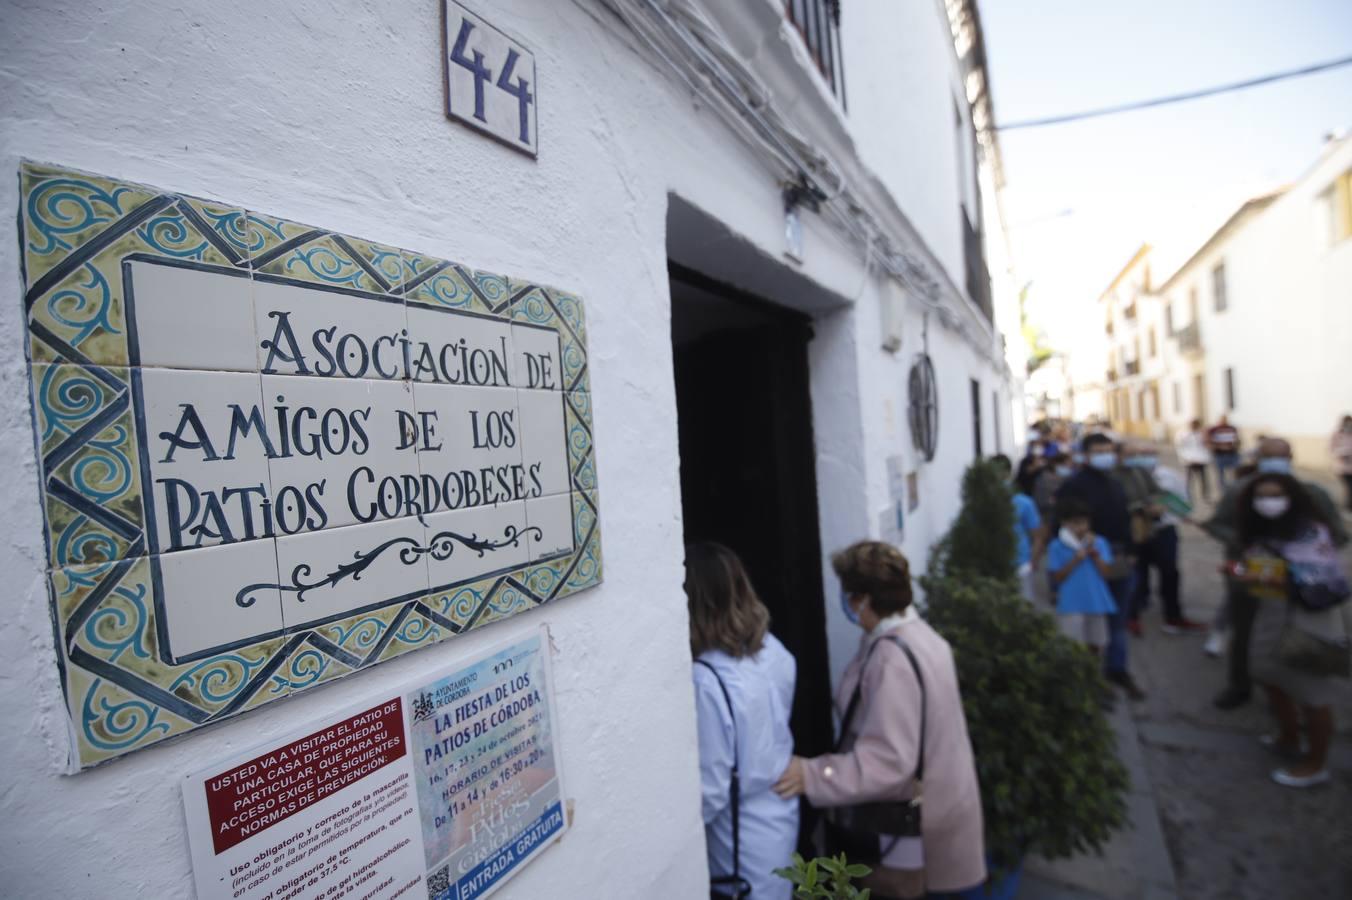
(1226, 830)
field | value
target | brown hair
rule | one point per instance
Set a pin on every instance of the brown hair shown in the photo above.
(725, 613)
(878, 570)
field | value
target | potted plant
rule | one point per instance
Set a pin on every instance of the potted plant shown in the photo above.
(1046, 757)
(825, 878)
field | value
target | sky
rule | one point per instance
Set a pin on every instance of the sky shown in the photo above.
(1080, 198)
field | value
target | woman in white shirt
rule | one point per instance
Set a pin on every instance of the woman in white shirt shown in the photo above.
(744, 681)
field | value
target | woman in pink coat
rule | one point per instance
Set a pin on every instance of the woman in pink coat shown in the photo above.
(879, 752)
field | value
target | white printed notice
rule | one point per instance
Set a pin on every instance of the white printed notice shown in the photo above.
(444, 789)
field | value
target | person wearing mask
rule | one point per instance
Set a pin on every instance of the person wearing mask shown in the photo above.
(1274, 457)
(1222, 439)
(1195, 456)
(900, 707)
(1340, 445)
(1218, 638)
(1110, 518)
(1079, 561)
(1283, 540)
(1029, 542)
(1059, 468)
(1141, 490)
(1035, 450)
(744, 682)
(1157, 547)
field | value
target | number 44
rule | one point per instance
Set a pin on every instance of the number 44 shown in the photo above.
(482, 73)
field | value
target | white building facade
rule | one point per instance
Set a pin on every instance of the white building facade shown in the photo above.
(1262, 315)
(786, 392)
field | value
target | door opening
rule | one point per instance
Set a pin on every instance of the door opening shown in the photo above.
(748, 466)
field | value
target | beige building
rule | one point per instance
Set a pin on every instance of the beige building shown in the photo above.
(1134, 325)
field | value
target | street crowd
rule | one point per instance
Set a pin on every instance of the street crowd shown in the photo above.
(1095, 518)
(1104, 517)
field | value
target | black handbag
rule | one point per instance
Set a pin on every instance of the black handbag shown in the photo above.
(734, 886)
(859, 831)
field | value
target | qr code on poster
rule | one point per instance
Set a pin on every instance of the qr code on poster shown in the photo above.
(439, 884)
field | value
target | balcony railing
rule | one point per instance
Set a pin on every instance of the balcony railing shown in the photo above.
(1131, 367)
(1189, 339)
(818, 21)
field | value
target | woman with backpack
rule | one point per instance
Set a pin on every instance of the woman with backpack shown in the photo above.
(1290, 566)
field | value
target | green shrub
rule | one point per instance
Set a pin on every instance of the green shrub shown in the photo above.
(981, 540)
(1046, 756)
(825, 878)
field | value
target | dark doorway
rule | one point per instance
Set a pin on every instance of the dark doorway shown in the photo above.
(748, 466)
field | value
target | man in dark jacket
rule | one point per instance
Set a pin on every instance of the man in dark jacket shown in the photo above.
(1274, 455)
(1095, 485)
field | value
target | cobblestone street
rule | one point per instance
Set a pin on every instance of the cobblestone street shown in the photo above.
(1229, 831)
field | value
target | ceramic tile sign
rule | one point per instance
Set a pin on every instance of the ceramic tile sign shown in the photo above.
(490, 79)
(443, 789)
(272, 455)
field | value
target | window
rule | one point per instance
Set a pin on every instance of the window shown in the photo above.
(1192, 303)
(976, 418)
(995, 417)
(1140, 407)
(1218, 287)
(1150, 341)
(1178, 397)
(1230, 389)
(1168, 317)
(818, 22)
(969, 212)
(1337, 208)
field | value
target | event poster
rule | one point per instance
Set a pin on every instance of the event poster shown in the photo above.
(444, 789)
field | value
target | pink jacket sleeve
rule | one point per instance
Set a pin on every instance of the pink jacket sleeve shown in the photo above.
(881, 763)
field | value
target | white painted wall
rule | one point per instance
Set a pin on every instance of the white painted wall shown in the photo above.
(334, 116)
(901, 115)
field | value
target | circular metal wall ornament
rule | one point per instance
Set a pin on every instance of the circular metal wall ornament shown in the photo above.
(924, 407)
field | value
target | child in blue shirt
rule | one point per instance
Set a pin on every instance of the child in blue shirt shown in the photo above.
(1078, 561)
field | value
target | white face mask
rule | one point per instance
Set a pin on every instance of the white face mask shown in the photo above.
(1279, 464)
(1271, 507)
(1068, 538)
(1103, 461)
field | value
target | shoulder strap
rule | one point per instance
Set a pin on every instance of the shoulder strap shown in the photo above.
(735, 789)
(853, 705)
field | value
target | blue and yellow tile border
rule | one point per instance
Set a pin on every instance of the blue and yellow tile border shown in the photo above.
(123, 693)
